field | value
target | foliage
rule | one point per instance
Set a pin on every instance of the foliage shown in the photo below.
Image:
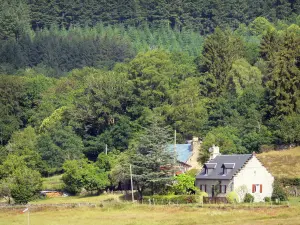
(278, 192)
(15, 19)
(224, 137)
(18, 181)
(241, 191)
(238, 89)
(248, 198)
(152, 165)
(202, 16)
(166, 199)
(289, 129)
(80, 174)
(282, 80)
(183, 184)
(267, 199)
(232, 197)
(192, 172)
(220, 50)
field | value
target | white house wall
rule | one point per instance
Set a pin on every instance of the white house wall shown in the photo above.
(254, 173)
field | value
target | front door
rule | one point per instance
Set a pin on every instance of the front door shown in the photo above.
(213, 191)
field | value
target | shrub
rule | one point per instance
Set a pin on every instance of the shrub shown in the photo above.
(232, 197)
(184, 183)
(201, 195)
(267, 199)
(22, 185)
(278, 192)
(249, 198)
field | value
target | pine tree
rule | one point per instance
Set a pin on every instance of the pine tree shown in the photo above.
(220, 50)
(283, 84)
(151, 156)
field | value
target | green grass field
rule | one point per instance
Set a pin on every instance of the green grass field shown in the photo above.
(53, 183)
(77, 199)
(115, 212)
(145, 215)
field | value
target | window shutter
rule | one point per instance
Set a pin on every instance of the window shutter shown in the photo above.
(220, 188)
(253, 188)
(261, 188)
(225, 188)
(205, 187)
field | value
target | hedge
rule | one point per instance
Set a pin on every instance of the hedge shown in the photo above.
(166, 199)
(289, 181)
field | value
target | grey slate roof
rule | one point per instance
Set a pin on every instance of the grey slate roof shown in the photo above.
(221, 161)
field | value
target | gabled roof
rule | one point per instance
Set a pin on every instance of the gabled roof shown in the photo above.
(233, 162)
(183, 151)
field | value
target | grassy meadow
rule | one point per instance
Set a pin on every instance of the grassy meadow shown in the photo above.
(126, 213)
(282, 163)
(53, 183)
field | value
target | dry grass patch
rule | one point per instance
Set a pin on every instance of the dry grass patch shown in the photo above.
(282, 163)
(78, 199)
(127, 214)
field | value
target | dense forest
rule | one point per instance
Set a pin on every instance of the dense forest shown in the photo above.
(77, 76)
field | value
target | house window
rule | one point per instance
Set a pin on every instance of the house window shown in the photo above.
(257, 188)
(203, 187)
(223, 189)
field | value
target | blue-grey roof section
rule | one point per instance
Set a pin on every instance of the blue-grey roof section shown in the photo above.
(183, 151)
(217, 173)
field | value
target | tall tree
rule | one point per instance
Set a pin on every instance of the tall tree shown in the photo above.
(14, 19)
(283, 80)
(220, 50)
(150, 159)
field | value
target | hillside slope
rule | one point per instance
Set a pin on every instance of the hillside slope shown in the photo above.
(282, 163)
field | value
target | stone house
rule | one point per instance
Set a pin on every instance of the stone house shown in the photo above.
(242, 173)
(186, 154)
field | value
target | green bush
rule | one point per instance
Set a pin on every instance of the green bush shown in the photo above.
(232, 197)
(180, 199)
(201, 195)
(249, 198)
(267, 199)
(278, 192)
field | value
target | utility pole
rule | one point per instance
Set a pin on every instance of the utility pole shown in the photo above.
(28, 217)
(105, 149)
(131, 183)
(175, 144)
(175, 153)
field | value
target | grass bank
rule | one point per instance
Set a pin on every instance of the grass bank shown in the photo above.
(283, 163)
